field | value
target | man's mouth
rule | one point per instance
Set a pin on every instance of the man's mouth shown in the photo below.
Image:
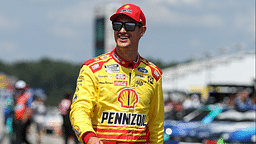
(123, 37)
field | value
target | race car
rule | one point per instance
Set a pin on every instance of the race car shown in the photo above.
(211, 123)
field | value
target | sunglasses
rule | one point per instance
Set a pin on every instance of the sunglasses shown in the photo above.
(129, 26)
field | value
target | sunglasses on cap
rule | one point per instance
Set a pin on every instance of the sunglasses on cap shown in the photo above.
(129, 26)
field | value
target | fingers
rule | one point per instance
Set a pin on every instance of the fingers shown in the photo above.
(94, 140)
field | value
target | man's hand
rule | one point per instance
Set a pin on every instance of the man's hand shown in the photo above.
(94, 140)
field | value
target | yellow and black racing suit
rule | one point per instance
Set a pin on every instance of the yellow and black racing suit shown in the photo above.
(118, 101)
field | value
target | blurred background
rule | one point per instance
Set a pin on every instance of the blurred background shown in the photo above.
(206, 50)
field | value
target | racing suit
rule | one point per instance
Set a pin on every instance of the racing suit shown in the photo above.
(118, 101)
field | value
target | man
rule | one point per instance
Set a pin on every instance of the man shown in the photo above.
(23, 111)
(119, 96)
(64, 107)
(8, 115)
(39, 112)
(243, 101)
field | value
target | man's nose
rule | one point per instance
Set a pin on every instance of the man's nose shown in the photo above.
(122, 29)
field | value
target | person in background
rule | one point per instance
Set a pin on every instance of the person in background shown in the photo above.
(64, 107)
(192, 102)
(243, 102)
(119, 97)
(39, 110)
(23, 111)
(9, 116)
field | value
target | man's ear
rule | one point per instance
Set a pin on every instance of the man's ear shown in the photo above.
(142, 30)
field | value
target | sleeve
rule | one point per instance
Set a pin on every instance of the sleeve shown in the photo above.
(156, 115)
(82, 107)
(29, 100)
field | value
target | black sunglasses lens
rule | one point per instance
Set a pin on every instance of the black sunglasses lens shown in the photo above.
(117, 26)
(130, 26)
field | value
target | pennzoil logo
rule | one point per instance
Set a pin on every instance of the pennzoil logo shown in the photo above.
(128, 98)
(121, 118)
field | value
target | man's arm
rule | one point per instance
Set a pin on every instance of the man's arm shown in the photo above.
(28, 114)
(83, 104)
(29, 111)
(156, 115)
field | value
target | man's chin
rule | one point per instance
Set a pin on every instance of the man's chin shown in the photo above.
(123, 46)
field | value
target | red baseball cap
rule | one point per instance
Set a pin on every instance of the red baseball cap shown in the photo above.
(132, 11)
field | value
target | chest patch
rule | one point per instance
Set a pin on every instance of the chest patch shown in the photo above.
(114, 68)
(128, 98)
(142, 69)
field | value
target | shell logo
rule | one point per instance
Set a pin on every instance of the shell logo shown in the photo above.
(128, 98)
(127, 6)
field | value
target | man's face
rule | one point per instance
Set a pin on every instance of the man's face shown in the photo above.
(128, 39)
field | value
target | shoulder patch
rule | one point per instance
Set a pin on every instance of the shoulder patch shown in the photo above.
(96, 59)
(156, 72)
(96, 64)
(89, 62)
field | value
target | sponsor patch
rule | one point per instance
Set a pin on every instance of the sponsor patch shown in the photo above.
(74, 98)
(102, 76)
(156, 73)
(104, 57)
(77, 130)
(128, 98)
(142, 69)
(114, 68)
(150, 79)
(139, 83)
(95, 66)
(106, 82)
(120, 76)
(139, 76)
(120, 83)
(122, 118)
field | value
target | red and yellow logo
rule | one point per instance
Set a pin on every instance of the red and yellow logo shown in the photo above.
(128, 98)
(127, 6)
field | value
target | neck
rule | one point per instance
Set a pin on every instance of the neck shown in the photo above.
(127, 53)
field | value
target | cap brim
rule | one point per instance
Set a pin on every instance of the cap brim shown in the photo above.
(114, 16)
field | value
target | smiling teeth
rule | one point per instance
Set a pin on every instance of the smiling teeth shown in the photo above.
(123, 37)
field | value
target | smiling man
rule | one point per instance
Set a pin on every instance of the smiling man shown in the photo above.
(119, 98)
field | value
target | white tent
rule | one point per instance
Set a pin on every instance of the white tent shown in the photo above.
(236, 69)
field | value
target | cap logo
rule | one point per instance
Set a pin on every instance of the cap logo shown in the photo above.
(127, 6)
(126, 10)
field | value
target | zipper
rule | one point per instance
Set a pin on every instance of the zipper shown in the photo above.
(130, 78)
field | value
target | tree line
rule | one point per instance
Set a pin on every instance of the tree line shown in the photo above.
(54, 77)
